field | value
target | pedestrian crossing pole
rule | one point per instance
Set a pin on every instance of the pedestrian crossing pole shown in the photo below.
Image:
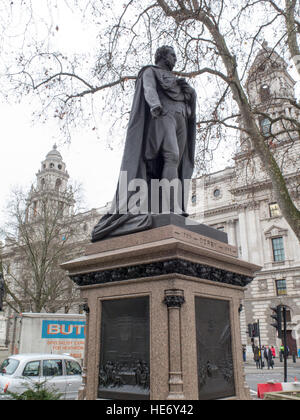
(280, 315)
(259, 339)
(285, 356)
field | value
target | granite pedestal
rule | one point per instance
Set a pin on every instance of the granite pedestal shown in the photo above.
(163, 316)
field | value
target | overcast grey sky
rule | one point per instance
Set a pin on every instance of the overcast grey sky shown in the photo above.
(24, 143)
(23, 147)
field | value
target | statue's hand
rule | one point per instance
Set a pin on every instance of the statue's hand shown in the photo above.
(156, 112)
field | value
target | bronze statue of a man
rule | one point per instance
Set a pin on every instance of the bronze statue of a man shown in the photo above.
(171, 102)
(160, 144)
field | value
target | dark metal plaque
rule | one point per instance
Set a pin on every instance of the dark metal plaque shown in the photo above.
(124, 372)
(214, 349)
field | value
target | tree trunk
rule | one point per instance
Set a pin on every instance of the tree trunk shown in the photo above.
(292, 32)
(288, 208)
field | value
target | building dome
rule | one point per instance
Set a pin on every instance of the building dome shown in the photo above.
(53, 164)
(54, 154)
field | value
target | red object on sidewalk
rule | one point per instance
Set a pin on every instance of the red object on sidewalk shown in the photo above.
(263, 388)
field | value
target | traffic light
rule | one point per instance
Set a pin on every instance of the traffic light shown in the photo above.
(253, 330)
(250, 330)
(278, 319)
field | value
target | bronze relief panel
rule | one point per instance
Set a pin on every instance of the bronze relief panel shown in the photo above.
(125, 349)
(214, 349)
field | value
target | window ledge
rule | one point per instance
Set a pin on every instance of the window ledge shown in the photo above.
(277, 263)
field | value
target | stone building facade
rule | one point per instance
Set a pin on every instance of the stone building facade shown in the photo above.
(240, 201)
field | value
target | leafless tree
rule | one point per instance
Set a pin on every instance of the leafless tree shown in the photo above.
(289, 11)
(216, 43)
(38, 239)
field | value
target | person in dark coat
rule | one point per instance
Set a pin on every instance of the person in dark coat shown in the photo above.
(269, 357)
(160, 145)
(257, 358)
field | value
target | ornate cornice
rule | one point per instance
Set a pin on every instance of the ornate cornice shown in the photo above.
(220, 210)
(261, 185)
(278, 271)
(174, 266)
(246, 154)
(257, 186)
(252, 205)
(276, 231)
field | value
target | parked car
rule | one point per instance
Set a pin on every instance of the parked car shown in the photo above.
(60, 373)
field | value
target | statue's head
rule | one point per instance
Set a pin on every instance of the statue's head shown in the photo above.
(166, 55)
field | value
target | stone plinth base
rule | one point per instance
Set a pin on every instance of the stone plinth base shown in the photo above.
(182, 291)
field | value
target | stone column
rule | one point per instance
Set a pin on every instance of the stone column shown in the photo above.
(243, 233)
(254, 238)
(231, 232)
(174, 298)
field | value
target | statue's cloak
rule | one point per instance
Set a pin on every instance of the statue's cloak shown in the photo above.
(120, 220)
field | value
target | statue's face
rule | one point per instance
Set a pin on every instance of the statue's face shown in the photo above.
(170, 58)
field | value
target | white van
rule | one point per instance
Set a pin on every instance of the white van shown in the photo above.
(60, 373)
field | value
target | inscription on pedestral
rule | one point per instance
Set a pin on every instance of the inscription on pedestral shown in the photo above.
(206, 242)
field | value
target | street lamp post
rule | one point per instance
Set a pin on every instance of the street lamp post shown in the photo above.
(285, 343)
(279, 316)
(258, 331)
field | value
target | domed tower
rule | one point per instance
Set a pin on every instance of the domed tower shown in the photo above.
(271, 94)
(268, 80)
(53, 174)
(52, 181)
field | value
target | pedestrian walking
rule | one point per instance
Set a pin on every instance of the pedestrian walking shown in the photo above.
(281, 354)
(264, 352)
(244, 353)
(273, 352)
(269, 357)
(257, 358)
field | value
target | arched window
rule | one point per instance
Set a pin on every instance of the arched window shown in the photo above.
(58, 184)
(265, 125)
(35, 208)
(264, 93)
